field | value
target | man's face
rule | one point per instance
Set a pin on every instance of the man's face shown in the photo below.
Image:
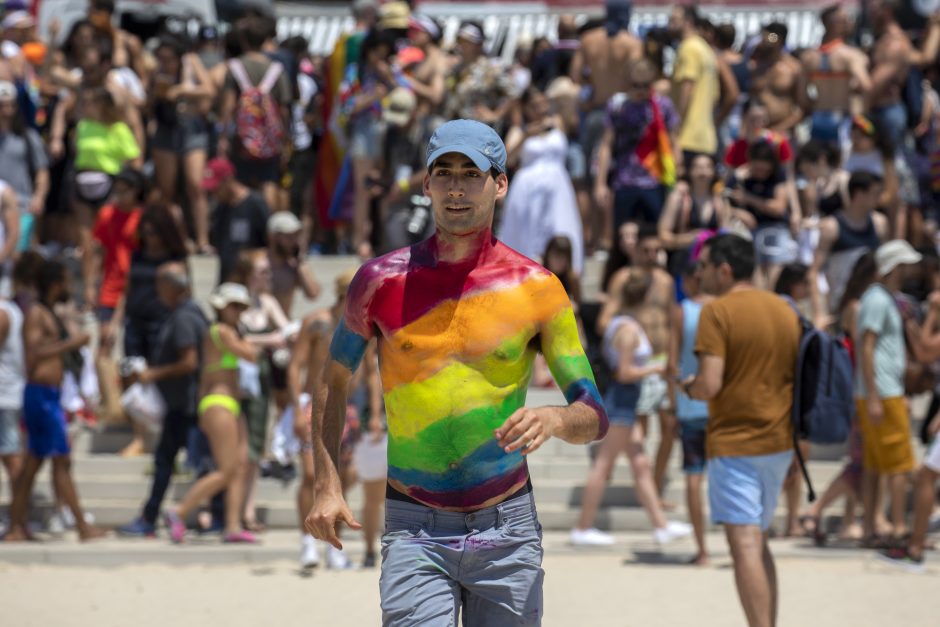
(166, 292)
(286, 244)
(676, 22)
(869, 199)
(462, 196)
(769, 46)
(707, 273)
(839, 23)
(647, 252)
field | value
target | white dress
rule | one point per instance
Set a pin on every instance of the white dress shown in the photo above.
(541, 201)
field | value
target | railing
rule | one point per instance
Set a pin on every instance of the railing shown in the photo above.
(503, 31)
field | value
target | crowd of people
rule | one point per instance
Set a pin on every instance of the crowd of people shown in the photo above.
(120, 158)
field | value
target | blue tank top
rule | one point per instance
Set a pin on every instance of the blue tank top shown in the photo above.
(687, 408)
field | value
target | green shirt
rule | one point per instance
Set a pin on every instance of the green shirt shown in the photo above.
(878, 313)
(104, 148)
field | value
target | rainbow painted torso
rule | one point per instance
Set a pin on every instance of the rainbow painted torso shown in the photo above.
(456, 347)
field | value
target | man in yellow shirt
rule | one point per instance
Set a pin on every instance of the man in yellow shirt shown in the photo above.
(695, 84)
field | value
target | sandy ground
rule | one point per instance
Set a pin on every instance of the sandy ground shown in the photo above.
(625, 586)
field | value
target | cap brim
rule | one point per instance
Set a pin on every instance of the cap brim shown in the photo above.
(907, 258)
(212, 184)
(480, 160)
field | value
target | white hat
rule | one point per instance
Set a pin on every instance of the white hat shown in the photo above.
(399, 106)
(18, 19)
(228, 293)
(284, 222)
(895, 253)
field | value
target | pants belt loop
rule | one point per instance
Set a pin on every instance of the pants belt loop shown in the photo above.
(430, 519)
(499, 516)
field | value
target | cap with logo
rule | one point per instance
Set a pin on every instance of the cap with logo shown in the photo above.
(473, 139)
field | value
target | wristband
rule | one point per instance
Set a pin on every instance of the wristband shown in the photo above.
(404, 185)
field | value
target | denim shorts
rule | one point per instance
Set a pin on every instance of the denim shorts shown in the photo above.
(774, 245)
(10, 440)
(744, 490)
(620, 402)
(485, 564)
(692, 434)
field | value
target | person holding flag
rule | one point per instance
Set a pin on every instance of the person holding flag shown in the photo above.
(639, 146)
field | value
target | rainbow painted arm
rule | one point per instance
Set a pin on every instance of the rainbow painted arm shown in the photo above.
(347, 346)
(562, 348)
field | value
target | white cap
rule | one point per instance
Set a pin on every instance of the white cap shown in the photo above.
(18, 19)
(284, 222)
(228, 293)
(895, 253)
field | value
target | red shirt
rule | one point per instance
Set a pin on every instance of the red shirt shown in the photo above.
(736, 156)
(116, 230)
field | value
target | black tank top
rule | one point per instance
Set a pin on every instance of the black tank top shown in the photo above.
(850, 239)
(829, 205)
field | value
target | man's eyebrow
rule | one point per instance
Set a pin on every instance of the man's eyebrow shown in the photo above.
(445, 163)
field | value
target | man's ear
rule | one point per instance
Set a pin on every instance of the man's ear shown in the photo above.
(502, 185)
(427, 184)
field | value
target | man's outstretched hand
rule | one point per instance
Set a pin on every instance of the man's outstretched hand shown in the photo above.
(329, 509)
(528, 429)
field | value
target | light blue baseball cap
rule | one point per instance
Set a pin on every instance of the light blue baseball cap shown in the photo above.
(474, 139)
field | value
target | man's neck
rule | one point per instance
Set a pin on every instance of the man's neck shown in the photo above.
(831, 39)
(856, 214)
(461, 249)
(739, 286)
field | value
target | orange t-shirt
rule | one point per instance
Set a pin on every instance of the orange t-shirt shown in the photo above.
(116, 230)
(758, 335)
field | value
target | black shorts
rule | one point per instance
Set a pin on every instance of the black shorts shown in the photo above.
(692, 433)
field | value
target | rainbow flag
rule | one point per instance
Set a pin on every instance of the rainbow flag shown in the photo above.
(655, 149)
(332, 181)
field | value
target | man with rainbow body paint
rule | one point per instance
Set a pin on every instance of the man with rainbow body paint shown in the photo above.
(459, 319)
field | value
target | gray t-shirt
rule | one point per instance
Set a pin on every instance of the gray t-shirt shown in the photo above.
(15, 166)
(185, 328)
(879, 314)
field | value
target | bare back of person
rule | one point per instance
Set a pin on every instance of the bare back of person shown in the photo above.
(832, 73)
(607, 59)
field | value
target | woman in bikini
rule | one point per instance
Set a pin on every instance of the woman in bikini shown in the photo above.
(220, 416)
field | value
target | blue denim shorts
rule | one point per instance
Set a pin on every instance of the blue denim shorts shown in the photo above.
(620, 401)
(744, 490)
(486, 564)
(10, 441)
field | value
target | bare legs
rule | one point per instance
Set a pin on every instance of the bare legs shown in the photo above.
(668, 428)
(628, 440)
(226, 434)
(13, 465)
(194, 163)
(20, 503)
(693, 496)
(374, 498)
(755, 574)
(924, 499)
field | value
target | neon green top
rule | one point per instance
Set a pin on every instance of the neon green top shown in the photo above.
(229, 360)
(104, 148)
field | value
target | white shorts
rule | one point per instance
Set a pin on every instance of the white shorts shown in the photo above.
(284, 443)
(932, 458)
(654, 396)
(371, 459)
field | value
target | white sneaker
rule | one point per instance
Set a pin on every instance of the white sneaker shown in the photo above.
(336, 559)
(55, 525)
(309, 555)
(591, 537)
(673, 530)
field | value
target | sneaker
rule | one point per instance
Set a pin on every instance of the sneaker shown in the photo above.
(175, 526)
(138, 528)
(369, 560)
(309, 554)
(240, 537)
(55, 525)
(671, 532)
(901, 558)
(336, 559)
(591, 537)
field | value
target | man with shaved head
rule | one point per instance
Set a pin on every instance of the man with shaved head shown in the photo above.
(175, 371)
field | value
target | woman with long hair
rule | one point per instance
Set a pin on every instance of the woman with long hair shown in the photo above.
(265, 325)
(541, 203)
(627, 351)
(848, 482)
(220, 417)
(180, 97)
(139, 312)
(694, 207)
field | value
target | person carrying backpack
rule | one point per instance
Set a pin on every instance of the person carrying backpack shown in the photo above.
(254, 116)
(747, 346)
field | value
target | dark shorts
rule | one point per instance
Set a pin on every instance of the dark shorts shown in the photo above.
(187, 135)
(621, 400)
(692, 433)
(256, 172)
(639, 204)
(105, 314)
(44, 418)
